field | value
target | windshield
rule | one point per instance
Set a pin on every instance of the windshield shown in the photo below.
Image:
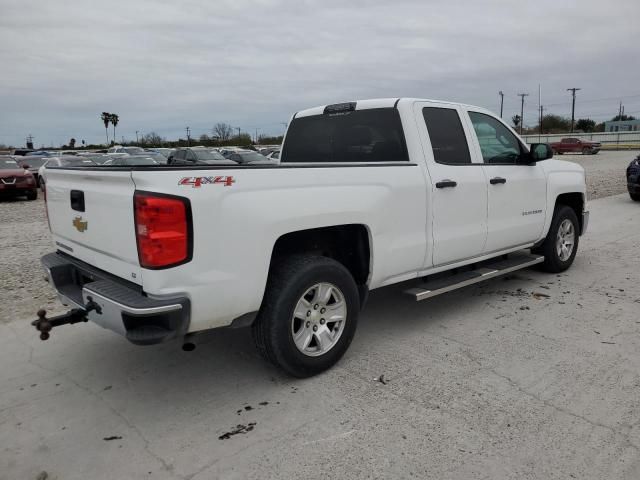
(8, 164)
(371, 135)
(133, 150)
(76, 162)
(245, 157)
(208, 155)
(34, 162)
(135, 161)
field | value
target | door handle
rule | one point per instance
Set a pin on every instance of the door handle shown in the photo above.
(496, 180)
(446, 184)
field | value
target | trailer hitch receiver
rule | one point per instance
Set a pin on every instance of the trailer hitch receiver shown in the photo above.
(44, 325)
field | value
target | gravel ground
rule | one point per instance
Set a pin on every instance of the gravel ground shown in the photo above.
(24, 237)
(605, 171)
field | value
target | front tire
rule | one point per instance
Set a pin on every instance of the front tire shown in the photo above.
(32, 195)
(308, 315)
(561, 244)
(635, 196)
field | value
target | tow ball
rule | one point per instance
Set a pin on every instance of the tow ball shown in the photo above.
(44, 325)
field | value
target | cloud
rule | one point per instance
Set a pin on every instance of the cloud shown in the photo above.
(164, 66)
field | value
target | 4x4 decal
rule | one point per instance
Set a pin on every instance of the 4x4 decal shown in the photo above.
(196, 182)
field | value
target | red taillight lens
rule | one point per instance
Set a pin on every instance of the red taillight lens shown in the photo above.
(163, 230)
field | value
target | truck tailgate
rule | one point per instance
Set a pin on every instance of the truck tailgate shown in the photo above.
(91, 218)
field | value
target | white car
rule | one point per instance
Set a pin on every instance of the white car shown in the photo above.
(366, 194)
(61, 161)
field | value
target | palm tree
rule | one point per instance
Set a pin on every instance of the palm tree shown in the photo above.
(114, 121)
(106, 118)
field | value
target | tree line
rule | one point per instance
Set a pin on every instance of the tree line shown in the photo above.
(552, 123)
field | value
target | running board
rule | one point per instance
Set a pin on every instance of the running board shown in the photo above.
(484, 271)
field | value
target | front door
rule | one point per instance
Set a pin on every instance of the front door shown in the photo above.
(517, 191)
(458, 184)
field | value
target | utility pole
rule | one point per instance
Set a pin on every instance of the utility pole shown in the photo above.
(573, 104)
(238, 133)
(501, 93)
(137, 141)
(257, 135)
(522, 95)
(188, 136)
(541, 116)
(30, 141)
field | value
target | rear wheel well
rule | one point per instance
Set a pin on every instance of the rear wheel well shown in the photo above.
(347, 244)
(573, 200)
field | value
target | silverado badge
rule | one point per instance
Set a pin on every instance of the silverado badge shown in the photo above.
(79, 224)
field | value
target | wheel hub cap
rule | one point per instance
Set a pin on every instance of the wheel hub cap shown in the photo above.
(318, 319)
(565, 240)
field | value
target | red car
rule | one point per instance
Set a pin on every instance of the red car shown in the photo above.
(575, 145)
(16, 181)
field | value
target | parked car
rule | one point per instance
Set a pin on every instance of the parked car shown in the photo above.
(98, 158)
(197, 156)
(575, 145)
(16, 181)
(166, 152)
(633, 179)
(21, 151)
(63, 161)
(274, 155)
(131, 160)
(366, 194)
(33, 164)
(119, 150)
(248, 157)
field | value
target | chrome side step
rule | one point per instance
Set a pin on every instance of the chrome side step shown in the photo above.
(484, 271)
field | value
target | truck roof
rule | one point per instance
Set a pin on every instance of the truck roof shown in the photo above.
(370, 103)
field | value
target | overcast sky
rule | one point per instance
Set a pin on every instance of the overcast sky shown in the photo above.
(163, 65)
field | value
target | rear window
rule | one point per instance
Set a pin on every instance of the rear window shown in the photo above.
(373, 135)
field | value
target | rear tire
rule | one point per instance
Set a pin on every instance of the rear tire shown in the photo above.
(291, 330)
(635, 196)
(561, 244)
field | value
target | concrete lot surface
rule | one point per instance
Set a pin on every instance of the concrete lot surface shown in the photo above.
(531, 376)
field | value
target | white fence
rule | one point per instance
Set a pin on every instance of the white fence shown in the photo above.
(606, 138)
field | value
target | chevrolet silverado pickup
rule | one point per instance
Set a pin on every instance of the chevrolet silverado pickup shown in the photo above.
(576, 145)
(366, 194)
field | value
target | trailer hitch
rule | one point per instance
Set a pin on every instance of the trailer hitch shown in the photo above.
(44, 325)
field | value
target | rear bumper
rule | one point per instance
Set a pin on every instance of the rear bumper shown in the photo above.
(12, 189)
(124, 308)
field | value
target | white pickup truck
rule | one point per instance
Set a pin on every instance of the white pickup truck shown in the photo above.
(366, 194)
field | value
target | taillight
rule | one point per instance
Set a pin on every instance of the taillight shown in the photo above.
(163, 230)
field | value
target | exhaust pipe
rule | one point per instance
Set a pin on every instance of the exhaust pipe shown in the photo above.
(188, 346)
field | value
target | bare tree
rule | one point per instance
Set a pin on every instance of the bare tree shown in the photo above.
(223, 131)
(152, 139)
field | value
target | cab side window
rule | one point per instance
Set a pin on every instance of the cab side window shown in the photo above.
(497, 144)
(448, 140)
(190, 156)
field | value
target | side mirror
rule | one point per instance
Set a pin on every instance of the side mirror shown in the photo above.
(25, 166)
(540, 151)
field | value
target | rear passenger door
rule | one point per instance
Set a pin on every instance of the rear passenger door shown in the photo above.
(517, 190)
(458, 184)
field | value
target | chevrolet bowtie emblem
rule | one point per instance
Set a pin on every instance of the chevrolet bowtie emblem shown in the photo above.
(79, 224)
